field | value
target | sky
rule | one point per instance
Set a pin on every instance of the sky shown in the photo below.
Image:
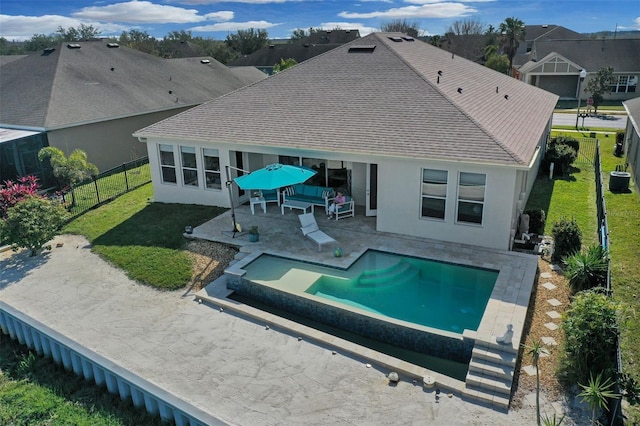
(21, 19)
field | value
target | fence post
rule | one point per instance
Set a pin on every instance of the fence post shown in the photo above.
(95, 183)
(126, 180)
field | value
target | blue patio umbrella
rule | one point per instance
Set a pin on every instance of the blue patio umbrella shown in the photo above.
(274, 176)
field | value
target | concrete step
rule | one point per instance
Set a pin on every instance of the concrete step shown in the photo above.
(488, 383)
(496, 347)
(489, 368)
(492, 398)
(497, 357)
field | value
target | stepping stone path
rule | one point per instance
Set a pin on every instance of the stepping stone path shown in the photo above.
(554, 302)
(546, 275)
(551, 326)
(556, 268)
(549, 341)
(549, 286)
(530, 370)
(553, 315)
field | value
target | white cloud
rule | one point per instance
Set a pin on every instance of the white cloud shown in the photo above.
(234, 26)
(204, 2)
(21, 27)
(435, 10)
(637, 23)
(145, 12)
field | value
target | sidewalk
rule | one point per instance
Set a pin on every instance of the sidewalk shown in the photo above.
(235, 369)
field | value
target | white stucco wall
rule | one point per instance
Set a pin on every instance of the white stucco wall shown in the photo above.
(399, 211)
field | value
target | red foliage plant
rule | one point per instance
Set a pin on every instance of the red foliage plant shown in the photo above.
(14, 192)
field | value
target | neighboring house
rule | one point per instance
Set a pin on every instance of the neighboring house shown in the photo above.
(632, 138)
(92, 96)
(318, 42)
(555, 65)
(431, 144)
(535, 33)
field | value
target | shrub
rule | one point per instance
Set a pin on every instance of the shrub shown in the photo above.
(567, 238)
(13, 192)
(590, 328)
(537, 220)
(32, 222)
(588, 269)
(561, 151)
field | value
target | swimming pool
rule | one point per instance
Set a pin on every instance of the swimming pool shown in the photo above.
(414, 303)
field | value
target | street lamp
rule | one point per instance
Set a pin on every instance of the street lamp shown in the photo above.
(583, 74)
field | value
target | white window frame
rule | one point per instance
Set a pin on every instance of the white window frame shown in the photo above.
(623, 83)
(471, 195)
(189, 169)
(211, 173)
(432, 189)
(167, 148)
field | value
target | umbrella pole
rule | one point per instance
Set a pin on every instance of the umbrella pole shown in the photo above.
(228, 183)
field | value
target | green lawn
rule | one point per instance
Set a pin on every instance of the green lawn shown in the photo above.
(574, 196)
(35, 391)
(144, 238)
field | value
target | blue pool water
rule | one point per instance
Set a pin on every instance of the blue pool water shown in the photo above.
(445, 296)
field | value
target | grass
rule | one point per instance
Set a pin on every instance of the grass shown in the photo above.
(35, 391)
(573, 104)
(623, 217)
(144, 238)
(574, 196)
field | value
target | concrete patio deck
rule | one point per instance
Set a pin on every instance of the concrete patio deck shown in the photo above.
(280, 235)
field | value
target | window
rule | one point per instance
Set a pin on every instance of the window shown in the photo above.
(434, 193)
(189, 167)
(212, 168)
(624, 84)
(167, 164)
(471, 197)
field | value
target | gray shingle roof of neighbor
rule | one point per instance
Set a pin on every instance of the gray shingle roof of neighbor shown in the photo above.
(94, 82)
(403, 99)
(633, 111)
(622, 54)
(271, 55)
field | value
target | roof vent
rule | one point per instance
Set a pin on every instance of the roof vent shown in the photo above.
(506, 97)
(48, 50)
(396, 39)
(363, 48)
(271, 46)
(73, 46)
(407, 38)
(204, 61)
(113, 69)
(459, 89)
(545, 26)
(307, 45)
(113, 45)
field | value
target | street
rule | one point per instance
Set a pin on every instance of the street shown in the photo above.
(618, 121)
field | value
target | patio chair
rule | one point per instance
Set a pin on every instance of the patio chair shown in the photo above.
(310, 229)
(347, 209)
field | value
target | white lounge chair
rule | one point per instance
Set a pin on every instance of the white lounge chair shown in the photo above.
(310, 229)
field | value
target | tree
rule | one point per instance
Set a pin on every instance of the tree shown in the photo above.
(535, 350)
(247, 41)
(588, 269)
(435, 40)
(71, 170)
(466, 27)
(401, 26)
(39, 42)
(300, 34)
(14, 192)
(32, 222)
(596, 394)
(499, 63)
(600, 84)
(512, 32)
(10, 47)
(284, 64)
(139, 40)
(82, 33)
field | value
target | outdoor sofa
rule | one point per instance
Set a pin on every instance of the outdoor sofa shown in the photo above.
(316, 195)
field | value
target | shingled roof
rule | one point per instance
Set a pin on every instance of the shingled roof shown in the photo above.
(622, 54)
(377, 96)
(94, 81)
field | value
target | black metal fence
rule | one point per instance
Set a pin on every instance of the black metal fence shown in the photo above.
(603, 237)
(106, 186)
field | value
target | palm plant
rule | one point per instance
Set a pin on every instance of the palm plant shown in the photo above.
(596, 394)
(552, 421)
(587, 269)
(535, 349)
(512, 30)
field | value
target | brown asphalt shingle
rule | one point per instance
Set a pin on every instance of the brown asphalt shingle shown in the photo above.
(386, 103)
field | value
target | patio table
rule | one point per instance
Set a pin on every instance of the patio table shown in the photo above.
(300, 205)
(258, 200)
